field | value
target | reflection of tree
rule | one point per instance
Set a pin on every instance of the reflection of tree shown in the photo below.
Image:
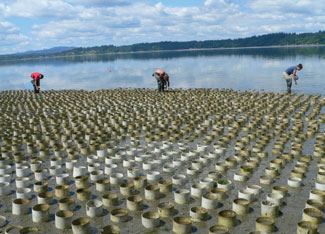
(270, 53)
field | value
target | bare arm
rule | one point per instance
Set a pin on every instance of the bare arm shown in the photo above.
(294, 76)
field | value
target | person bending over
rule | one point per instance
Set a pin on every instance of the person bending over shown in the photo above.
(36, 76)
(162, 79)
(291, 71)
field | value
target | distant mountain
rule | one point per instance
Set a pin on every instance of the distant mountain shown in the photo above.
(53, 50)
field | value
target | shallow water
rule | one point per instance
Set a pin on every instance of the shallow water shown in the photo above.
(239, 69)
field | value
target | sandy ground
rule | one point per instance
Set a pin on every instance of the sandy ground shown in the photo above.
(291, 212)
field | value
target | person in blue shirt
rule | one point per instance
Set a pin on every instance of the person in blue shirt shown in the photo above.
(291, 71)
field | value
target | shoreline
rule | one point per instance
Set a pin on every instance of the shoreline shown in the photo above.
(162, 51)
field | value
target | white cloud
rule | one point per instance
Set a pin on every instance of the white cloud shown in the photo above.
(36, 9)
(98, 22)
(289, 6)
(10, 35)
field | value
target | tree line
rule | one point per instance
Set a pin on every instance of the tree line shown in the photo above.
(274, 39)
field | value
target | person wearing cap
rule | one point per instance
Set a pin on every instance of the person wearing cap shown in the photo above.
(162, 79)
(291, 71)
(36, 76)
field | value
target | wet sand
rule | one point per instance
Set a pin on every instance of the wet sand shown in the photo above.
(183, 106)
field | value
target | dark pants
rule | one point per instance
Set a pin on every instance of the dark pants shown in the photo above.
(37, 83)
(289, 84)
(161, 86)
(161, 83)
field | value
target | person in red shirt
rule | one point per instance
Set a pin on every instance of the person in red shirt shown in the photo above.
(36, 76)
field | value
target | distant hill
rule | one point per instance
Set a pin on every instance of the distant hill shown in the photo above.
(53, 50)
(274, 39)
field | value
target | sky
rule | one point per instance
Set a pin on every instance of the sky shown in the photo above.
(40, 24)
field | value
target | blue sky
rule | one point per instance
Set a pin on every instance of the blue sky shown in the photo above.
(34, 24)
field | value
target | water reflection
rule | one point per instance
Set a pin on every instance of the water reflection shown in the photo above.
(239, 69)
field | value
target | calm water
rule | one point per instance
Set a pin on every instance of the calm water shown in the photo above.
(239, 69)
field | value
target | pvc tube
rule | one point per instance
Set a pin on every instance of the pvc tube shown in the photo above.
(179, 179)
(111, 229)
(119, 215)
(102, 185)
(29, 230)
(255, 189)
(127, 188)
(182, 196)
(191, 171)
(305, 227)
(197, 190)
(63, 219)
(13, 229)
(275, 198)
(317, 195)
(24, 193)
(41, 175)
(166, 209)
(116, 178)
(40, 186)
(133, 172)
(227, 218)
(199, 214)
(79, 170)
(312, 215)
(5, 178)
(41, 213)
(62, 179)
(23, 182)
(240, 177)
(224, 183)
(266, 180)
(165, 186)
(220, 192)
(207, 182)
(152, 192)
(311, 203)
(62, 191)
(45, 198)
(182, 225)
(94, 208)
(67, 203)
(294, 182)
(218, 229)
(20, 206)
(5, 188)
(56, 170)
(81, 226)
(110, 200)
(22, 171)
(82, 182)
(96, 175)
(150, 219)
(140, 182)
(134, 203)
(246, 194)
(240, 206)
(265, 224)
(153, 175)
(269, 209)
(83, 194)
(281, 190)
(209, 201)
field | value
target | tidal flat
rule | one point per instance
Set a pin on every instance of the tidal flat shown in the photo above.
(138, 161)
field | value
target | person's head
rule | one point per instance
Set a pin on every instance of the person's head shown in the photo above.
(299, 66)
(41, 76)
